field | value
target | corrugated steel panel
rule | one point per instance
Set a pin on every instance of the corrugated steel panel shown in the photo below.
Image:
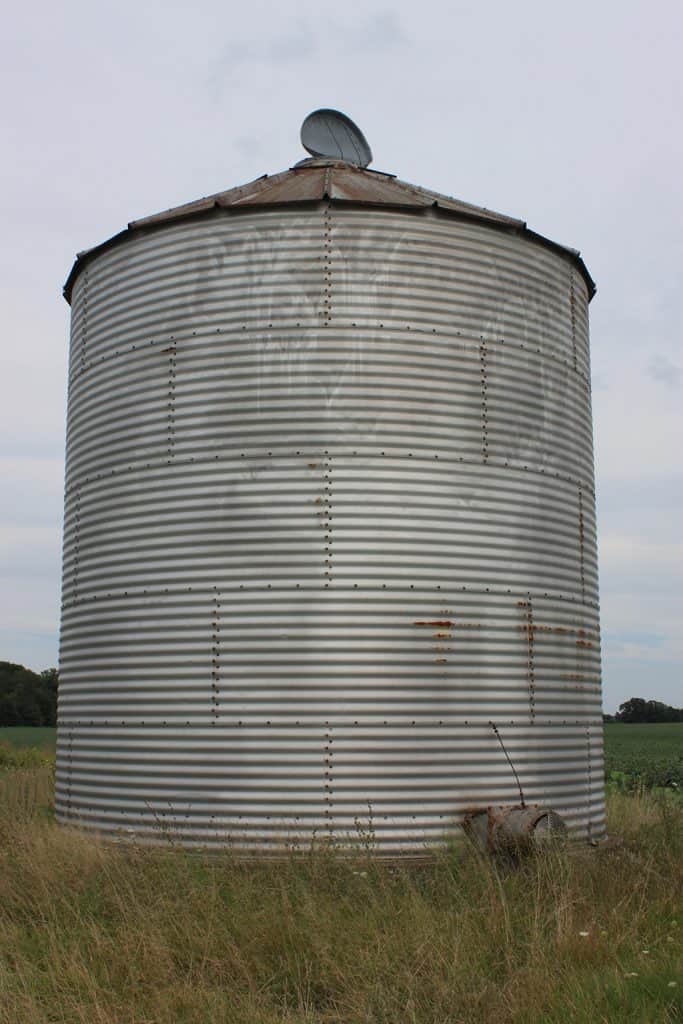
(312, 181)
(329, 513)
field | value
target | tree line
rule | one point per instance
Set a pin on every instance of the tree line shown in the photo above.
(639, 710)
(26, 697)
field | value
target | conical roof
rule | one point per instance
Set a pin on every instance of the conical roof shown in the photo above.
(314, 180)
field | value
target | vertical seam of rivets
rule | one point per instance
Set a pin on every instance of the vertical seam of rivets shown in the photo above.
(581, 545)
(590, 784)
(170, 427)
(77, 545)
(529, 629)
(215, 656)
(327, 515)
(572, 310)
(327, 262)
(484, 403)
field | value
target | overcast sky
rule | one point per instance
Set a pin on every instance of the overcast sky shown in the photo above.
(568, 116)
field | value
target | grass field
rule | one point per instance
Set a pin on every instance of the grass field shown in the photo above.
(100, 933)
(19, 736)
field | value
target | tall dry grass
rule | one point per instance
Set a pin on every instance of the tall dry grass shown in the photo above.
(100, 933)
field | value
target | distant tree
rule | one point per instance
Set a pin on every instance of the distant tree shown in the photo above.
(8, 711)
(27, 704)
(26, 697)
(639, 710)
(50, 678)
(633, 710)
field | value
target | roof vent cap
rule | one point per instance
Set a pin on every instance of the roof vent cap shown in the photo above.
(332, 135)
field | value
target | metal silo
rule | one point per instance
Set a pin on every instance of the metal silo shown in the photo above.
(330, 520)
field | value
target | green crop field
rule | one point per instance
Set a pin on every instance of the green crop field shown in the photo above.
(644, 756)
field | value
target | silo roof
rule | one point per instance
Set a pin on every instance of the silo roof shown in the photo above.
(313, 180)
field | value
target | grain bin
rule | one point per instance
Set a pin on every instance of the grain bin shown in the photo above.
(329, 538)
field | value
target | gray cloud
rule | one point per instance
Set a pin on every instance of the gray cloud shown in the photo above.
(250, 145)
(326, 40)
(293, 46)
(662, 370)
(380, 32)
(296, 44)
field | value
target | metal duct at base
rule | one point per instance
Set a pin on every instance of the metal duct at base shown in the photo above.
(504, 828)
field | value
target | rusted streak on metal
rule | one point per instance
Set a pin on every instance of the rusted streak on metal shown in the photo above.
(529, 629)
(449, 624)
(562, 630)
(441, 635)
(579, 677)
(583, 643)
(540, 628)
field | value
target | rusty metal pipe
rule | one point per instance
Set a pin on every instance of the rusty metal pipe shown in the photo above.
(500, 829)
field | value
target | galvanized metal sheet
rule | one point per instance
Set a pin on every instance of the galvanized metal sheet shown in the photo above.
(329, 513)
(314, 180)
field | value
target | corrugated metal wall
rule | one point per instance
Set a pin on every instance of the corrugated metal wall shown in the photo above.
(329, 513)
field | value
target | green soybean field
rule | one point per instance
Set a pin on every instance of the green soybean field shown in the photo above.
(644, 756)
